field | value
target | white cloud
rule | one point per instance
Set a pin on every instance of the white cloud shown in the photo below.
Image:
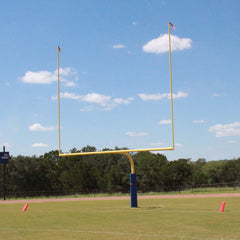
(87, 109)
(69, 83)
(63, 71)
(37, 127)
(221, 130)
(178, 95)
(41, 77)
(166, 121)
(46, 77)
(198, 121)
(96, 98)
(216, 95)
(90, 98)
(233, 142)
(160, 96)
(39, 145)
(117, 101)
(178, 145)
(123, 101)
(119, 46)
(134, 23)
(106, 102)
(135, 134)
(161, 45)
(67, 95)
(157, 96)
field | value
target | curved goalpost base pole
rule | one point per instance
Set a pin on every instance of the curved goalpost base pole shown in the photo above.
(133, 182)
(133, 189)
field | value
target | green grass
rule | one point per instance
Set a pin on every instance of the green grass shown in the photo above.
(186, 218)
(209, 190)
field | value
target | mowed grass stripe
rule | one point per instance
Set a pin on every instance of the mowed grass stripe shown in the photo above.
(191, 218)
(115, 233)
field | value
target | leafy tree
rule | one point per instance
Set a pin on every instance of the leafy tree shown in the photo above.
(110, 172)
(178, 173)
(231, 171)
(89, 148)
(149, 169)
(198, 175)
(213, 171)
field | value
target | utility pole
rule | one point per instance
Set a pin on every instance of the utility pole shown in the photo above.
(4, 175)
(4, 159)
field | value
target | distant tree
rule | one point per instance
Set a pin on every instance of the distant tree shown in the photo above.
(149, 169)
(25, 174)
(198, 175)
(213, 171)
(89, 148)
(110, 172)
(49, 164)
(231, 171)
(178, 173)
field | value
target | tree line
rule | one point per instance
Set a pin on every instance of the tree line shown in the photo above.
(53, 175)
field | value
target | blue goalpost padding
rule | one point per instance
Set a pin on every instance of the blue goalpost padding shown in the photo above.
(133, 189)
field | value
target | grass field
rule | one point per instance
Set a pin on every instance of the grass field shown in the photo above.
(178, 218)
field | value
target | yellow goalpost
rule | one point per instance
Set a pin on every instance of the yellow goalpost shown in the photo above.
(126, 151)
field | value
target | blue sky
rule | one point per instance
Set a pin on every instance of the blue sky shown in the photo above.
(115, 76)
